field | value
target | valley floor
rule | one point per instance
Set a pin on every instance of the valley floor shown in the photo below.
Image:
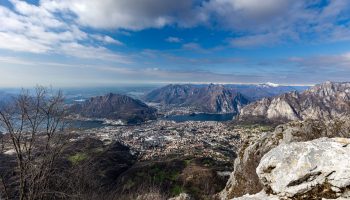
(159, 139)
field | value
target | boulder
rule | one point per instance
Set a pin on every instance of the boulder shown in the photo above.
(150, 196)
(244, 179)
(313, 170)
(308, 170)
(259, 196)
(263, 196)
(182, 196)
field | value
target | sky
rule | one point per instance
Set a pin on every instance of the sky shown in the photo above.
(74, 43)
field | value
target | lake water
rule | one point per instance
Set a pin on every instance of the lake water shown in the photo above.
(90, 124)
(201, 117)
(177, 118)
(77, 124)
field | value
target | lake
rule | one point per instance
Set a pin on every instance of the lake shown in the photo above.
(177, 118)
(90, 124)
(76, 124)
(201, 117)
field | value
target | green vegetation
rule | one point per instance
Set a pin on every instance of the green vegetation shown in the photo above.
(129, 184)
(77, 158)
(176, 190)
(194, 190)
(175, 176)
(187, 162)
(98, 150)
(160, 175)
(208, 162)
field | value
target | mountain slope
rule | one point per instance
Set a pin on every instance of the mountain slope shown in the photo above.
(323, 101)
(257, 92)
(115, 107)
(206, 98)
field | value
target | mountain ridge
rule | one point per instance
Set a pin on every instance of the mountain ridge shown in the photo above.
(210, 98)
(326, 100)
(114, 107)
(215, 98)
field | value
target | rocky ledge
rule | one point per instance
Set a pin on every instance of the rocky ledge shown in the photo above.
(244, 179)
(317, 169)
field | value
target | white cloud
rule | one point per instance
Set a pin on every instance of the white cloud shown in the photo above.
(252, 15)
(192, 46)
(173, 40)
(106, 39)
(55, 24)
(255, 19)
(18, 42)
(254, 40)
(127, 14)
(36, 15)
(347, 56)
(36, 29)
(110, 74)
(264, 39)
(329, 62)
(277, 21)
(82, 51)
(110, 40)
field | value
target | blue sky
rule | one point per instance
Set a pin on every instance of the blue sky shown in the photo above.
(109, 42)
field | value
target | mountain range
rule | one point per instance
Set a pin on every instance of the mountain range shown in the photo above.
(215, 98)
(259, 91)
(262, 102)
(205, 98)
(323, 101)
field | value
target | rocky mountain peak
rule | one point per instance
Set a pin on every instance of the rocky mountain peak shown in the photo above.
(212, 98)
(330, 88)
(324, 101)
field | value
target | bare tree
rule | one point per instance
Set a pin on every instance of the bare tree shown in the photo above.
(34, 122)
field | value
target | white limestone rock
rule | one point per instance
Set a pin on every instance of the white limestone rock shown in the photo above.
(10, 152)
(182, 196)
(324, 101)
(279, 108)
(244, 179)
(301, 168)
(259, 196)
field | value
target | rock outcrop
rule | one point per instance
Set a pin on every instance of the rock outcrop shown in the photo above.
(244, 179)
(259, 196)
(257, 92)
(325, 101)
(178, 94)
(115, 107)
(315, 169)
(182, 196)
(204, 98)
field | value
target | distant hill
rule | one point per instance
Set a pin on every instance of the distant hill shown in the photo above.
(323, 101)
(213, 97)
(257, 92)
(6, 97)
(206, 98)
(114, 107)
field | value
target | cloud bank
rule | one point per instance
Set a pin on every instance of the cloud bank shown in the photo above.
(103, 31)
